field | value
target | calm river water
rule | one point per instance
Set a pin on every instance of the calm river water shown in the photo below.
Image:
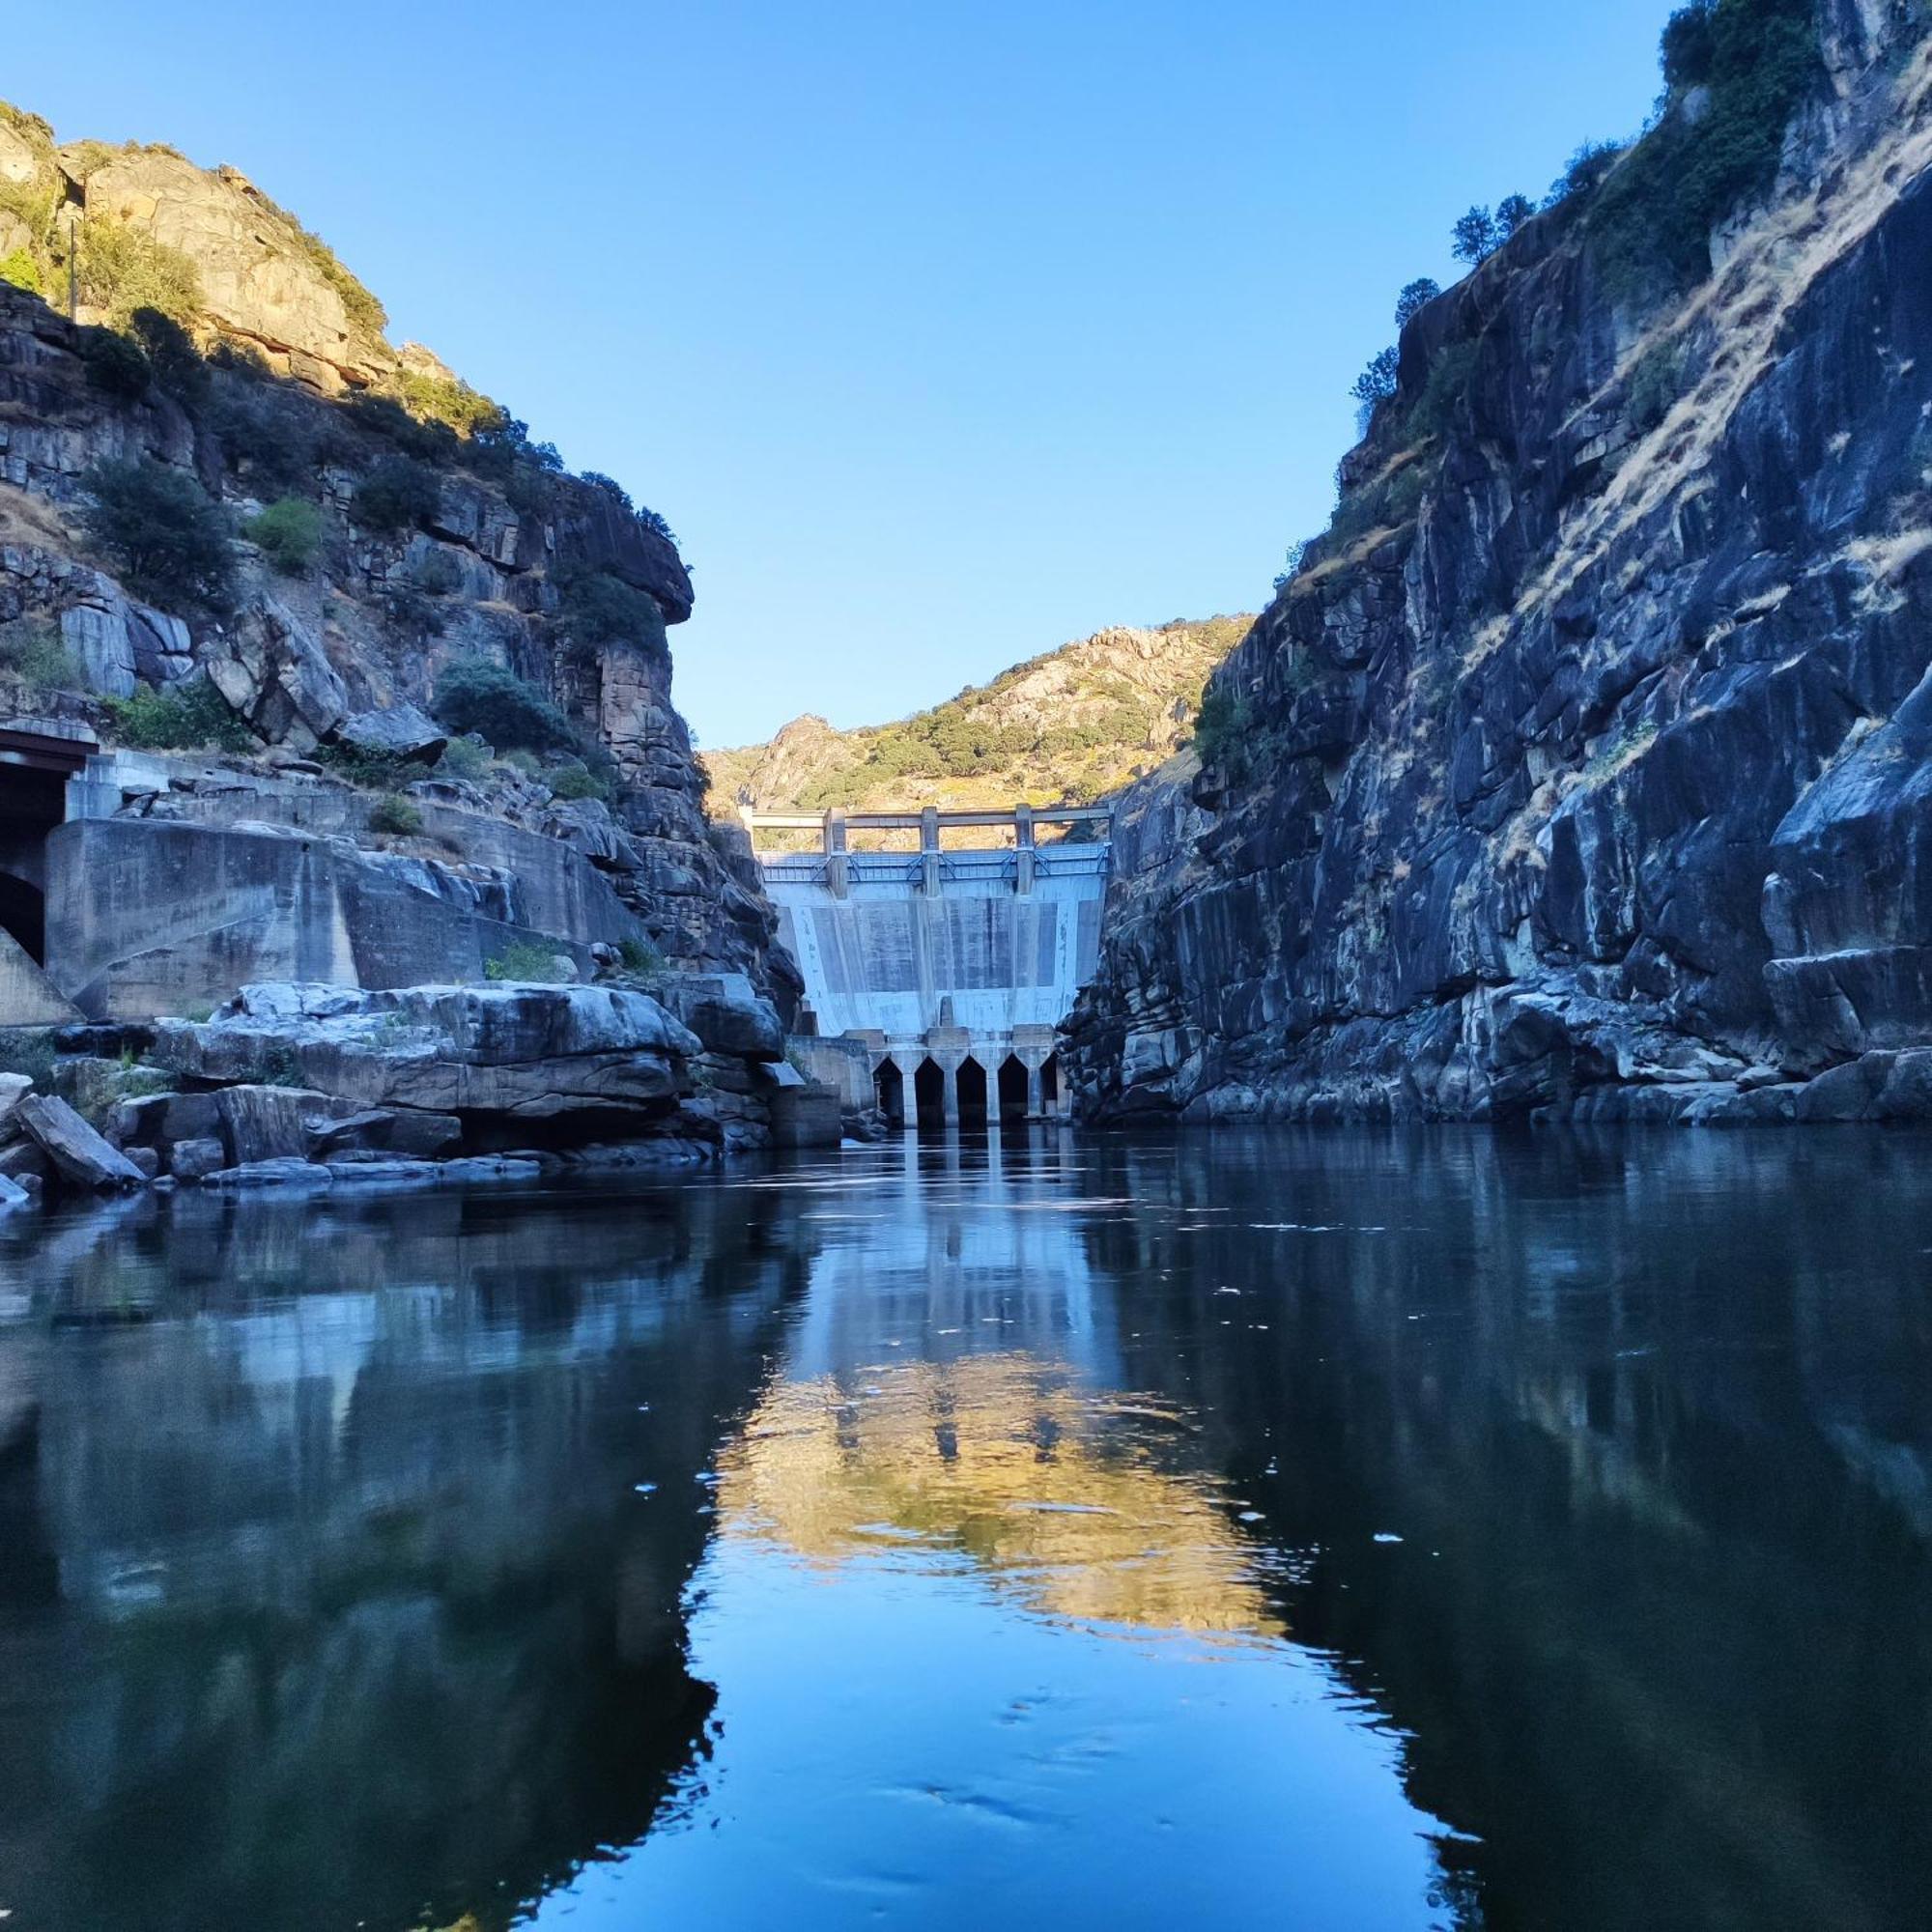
(1295, 1531)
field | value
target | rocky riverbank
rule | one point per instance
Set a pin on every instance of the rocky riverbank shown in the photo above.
(325, 1086)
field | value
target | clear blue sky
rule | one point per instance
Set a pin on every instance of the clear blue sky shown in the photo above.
(941, 333)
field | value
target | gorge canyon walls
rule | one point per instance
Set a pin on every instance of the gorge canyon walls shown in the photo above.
(1581, 768)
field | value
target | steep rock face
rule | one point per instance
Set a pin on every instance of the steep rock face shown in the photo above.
(339, 652)
(1582, 768)
(262, 280)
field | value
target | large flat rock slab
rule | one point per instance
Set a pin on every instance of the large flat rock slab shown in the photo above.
(511, 1050)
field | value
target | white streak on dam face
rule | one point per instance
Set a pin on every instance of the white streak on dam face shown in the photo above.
(948, 953)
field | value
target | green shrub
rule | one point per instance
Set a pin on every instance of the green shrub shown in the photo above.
(1651, 223)
(398, 492)
(596, 607)
(409, 609)
(450, 401)
(425, 438)
(268, 441)
(168, 541)
(465, 756)
(1376, 383)
(1656, 383)
(122, 268)
(31, 650)
(365, 313)
(574, 778)
(1219, 725)
(400, 816)
(22, 272)
(530, 960)
(476, 695)
(289, 534)
(116, 364)
(1447, 384)
(188, 716)
(28, 1050)
(279, 1067)
(177, 363)
(1584, 172)
(526, 764)
(640, 957)
(528, 490)
(370, 771)
(436, 574)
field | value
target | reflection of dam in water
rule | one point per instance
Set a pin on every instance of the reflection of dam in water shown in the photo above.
(954, 1375)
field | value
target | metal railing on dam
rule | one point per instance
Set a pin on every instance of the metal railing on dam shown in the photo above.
(945, 969)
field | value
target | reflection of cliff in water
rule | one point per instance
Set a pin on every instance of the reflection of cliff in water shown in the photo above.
(329, 1581)
(1618, 1401)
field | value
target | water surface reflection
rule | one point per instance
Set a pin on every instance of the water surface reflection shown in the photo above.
(1335, 1531)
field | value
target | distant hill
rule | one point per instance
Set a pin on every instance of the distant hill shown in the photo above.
(1069, 725)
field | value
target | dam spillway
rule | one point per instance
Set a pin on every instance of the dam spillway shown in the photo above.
(950, 966)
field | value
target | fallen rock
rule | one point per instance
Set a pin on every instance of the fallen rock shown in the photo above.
(14, 1088)
(286, 1172)
(13, 1195)
(271, 1123)
(1844, 1093)
(24, 1161)
(1907, 1093)
(276, 676)
(383, 1131)
(399, 731)
(727, 1013)
(196, 1159)
(155, 1119)
(80, 1153)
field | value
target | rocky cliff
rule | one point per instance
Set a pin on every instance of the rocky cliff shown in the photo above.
(236, 522)
(1070, 724)
(1581, 768)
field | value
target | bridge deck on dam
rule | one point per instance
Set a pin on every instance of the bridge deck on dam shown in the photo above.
(950, 967)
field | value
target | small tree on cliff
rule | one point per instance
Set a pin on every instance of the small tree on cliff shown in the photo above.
(1415, 296)
(1512, 212)
(1376, 383)
(1475, 237)
(168, 543)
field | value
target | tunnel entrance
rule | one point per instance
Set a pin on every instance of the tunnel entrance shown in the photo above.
(889, 1084)
(1012, 1088)
(33, 770)
(24, 915)
(1049, 1084)
(972, 1094)
(928, 1093)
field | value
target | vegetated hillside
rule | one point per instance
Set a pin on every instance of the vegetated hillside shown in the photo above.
(233, 515)
(1581, 765)
(1068, 727)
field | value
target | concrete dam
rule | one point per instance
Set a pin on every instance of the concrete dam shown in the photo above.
(935, 977)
